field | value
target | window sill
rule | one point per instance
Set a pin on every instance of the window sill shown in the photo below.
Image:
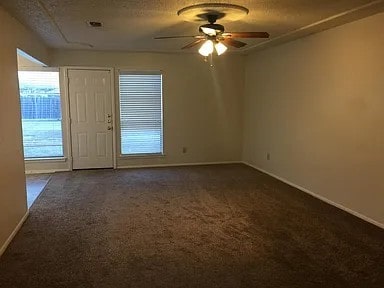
(53, 159)
(141, 156)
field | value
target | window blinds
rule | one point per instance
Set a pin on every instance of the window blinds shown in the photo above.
(141, 125)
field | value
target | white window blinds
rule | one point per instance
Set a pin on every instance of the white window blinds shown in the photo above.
(141, 125)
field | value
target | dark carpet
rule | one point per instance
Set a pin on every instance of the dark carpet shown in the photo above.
(203, 226)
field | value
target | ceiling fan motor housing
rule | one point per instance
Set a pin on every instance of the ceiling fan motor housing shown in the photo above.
(217, 27)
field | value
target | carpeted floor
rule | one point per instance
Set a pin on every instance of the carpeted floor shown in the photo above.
(203, 226)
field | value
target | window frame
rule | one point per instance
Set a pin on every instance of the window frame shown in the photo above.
(63, 108)
(122, 71)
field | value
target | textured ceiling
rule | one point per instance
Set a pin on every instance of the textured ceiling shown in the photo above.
(131, 25)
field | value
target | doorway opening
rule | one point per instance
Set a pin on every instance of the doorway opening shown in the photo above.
(39, 92)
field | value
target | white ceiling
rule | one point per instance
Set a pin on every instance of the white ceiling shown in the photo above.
(131, 25)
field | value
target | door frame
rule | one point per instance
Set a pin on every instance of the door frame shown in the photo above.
(67, 110)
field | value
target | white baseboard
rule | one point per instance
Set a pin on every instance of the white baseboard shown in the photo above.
(13, 234)
(322, 198)
(178, 164)
(47, 171)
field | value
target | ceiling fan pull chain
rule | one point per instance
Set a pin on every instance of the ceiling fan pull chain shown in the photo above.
(211, 60)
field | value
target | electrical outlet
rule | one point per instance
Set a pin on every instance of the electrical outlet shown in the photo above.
(268, 156)
(184, 150)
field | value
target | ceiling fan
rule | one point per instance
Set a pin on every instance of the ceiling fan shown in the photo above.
(215, 38)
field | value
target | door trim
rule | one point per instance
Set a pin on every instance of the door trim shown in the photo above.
(67, 110)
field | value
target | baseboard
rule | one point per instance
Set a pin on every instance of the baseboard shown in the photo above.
(139, 166)
(178, 164)
(13, 234)
(47, 171)
(322, 198)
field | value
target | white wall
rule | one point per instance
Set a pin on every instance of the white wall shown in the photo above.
(202, 105)
(317, 106)
(28, 62)
(13, 204)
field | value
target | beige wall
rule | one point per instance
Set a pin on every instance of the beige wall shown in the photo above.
(12, 180)
(202, 105)
(317, 106)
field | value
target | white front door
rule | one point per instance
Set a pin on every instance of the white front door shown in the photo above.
(90, 103)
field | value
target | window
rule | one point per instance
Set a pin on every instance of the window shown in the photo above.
(41, 114)
(141, 115)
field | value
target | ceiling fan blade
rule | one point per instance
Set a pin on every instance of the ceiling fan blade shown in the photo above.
(208, 31)
(233, 42)
(175, 37)
(194, 43)
(246, 34)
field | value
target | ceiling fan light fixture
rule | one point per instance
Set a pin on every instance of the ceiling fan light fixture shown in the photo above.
(220, 48)
(207, 48)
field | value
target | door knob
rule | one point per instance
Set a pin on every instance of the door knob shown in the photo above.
(110, 128)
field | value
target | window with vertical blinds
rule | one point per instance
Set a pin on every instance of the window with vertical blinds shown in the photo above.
(141, 113)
